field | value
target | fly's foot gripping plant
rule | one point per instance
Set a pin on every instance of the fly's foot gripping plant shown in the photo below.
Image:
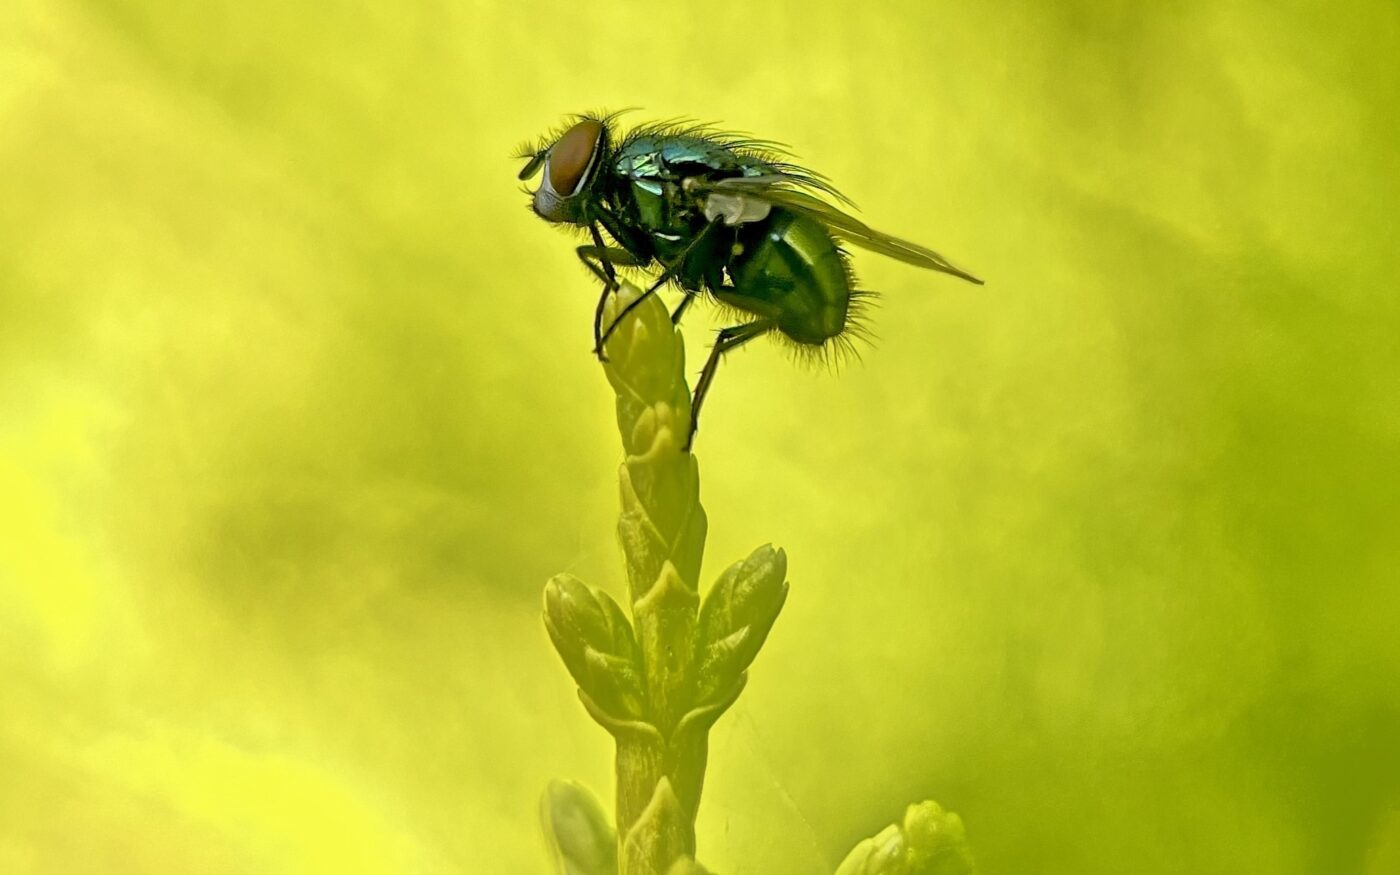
(659, 681)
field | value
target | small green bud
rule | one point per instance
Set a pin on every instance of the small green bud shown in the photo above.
(929, 841)
(735, 618)
(596, 643)
(937, 839)
(581, 841)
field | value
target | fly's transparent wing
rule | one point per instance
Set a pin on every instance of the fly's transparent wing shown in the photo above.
(781, 190)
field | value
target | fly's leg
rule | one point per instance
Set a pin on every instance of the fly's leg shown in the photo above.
(600, 259)
(599, 256)
(651, 290)
(631, 305)
(598, 324)
(729, 338)
(680, 308)
(714, 280)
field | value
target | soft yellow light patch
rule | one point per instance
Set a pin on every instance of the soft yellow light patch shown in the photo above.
(297, 416)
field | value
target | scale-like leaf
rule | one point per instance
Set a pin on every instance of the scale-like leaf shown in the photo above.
(596, 643)
(580, 838)
(735, 618)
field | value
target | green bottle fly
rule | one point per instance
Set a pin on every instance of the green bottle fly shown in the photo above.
(723, 216)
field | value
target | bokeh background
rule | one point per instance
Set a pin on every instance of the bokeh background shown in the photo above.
(297, 415)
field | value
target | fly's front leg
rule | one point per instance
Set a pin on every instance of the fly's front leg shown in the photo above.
(600, 252)
(728, 339)
(608, 276)
(600, 260)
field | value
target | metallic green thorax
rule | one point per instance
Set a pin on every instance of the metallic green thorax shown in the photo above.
(784, 266)
(646, 184)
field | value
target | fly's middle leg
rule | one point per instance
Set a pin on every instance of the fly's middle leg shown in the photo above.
(670, 271)
(680, 308)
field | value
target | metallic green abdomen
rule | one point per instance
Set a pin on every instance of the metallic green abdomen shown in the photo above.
(790, 269)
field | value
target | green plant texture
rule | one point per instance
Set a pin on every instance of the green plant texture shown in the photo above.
(659, 681)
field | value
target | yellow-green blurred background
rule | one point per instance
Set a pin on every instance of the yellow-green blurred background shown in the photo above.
(297, 415)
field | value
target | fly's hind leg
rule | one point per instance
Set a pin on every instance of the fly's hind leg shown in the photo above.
(728, 339)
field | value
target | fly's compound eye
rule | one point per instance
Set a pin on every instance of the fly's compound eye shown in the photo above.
(568, 165)
(571, 157)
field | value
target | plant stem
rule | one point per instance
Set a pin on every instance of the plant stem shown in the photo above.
(661, 765)
(659, 682)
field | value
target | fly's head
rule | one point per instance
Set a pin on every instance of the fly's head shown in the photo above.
(570, 162)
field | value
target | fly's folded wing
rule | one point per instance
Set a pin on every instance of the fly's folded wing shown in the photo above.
(782, 190)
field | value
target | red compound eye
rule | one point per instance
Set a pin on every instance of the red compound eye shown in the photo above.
(569, 157)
